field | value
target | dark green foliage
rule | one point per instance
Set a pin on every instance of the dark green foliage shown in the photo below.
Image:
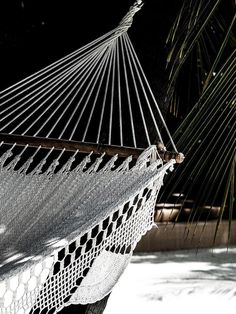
(201, 95)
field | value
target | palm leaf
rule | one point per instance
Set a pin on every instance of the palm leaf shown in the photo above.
(202, 58)
(199, 42)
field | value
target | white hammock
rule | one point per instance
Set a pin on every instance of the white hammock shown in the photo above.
(56, 226)
(68, 226)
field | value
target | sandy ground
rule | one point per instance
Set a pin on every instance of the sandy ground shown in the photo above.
(177, 282)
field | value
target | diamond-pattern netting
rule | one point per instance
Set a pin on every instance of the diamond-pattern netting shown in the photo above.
(78, 226)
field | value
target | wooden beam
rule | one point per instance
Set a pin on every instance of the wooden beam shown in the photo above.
(83, 147)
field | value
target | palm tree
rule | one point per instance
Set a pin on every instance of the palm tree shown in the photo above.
(200, 96)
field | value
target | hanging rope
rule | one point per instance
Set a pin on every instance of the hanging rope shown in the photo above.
(97, 94)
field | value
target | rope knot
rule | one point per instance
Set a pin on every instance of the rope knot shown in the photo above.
(127, 20)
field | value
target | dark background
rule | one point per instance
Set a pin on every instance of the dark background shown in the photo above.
(34, 33)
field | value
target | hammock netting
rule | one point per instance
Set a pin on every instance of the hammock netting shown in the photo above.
(69, 222)
(69, 235)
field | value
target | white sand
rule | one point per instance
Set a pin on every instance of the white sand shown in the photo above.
(177, 282)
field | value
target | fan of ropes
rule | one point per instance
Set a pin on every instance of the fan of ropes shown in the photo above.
(79, 174)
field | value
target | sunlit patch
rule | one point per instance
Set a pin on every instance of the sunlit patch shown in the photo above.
(25, 277)
(229, 265)
(48, 262)
(44, 274)
(14, 283)
(21, 311)
(223, 250)
(37, 258)
(38, 269)
(168, 205)
(60, 243)
(180, 255)
(20, 291)
(140, 257)
(2, 289)
(13, 258)
(32, 283)
(25, 259)
(8, 298)
(178, 194)
(2, 228)
(52, 241)
(168, 280)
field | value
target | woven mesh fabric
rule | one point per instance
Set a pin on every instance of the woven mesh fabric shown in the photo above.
(67, 236)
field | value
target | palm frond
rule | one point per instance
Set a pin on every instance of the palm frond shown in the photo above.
(201, 92)
(199, 42)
